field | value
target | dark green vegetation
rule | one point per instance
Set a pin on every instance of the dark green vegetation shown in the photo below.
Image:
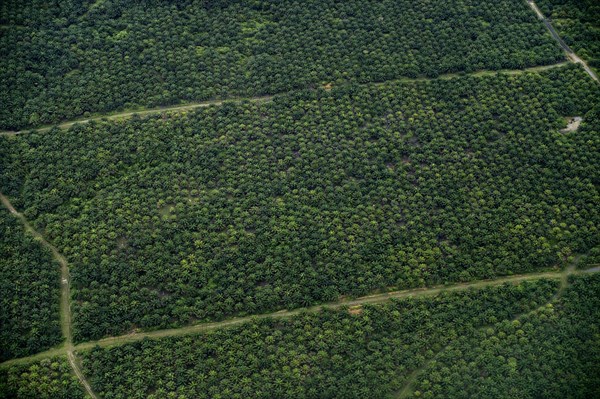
(247, 208)
(578, 22)
(47, 379)
(331, 354)
(366, 172)
(590, 260)
(29, 292)
(62, 59)
(553, 352)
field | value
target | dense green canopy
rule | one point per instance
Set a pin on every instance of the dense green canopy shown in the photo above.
(369, 146)
(251, 207)
(62, 59)
(46, 379)
(368, 353)
(578, 22)
(29, 292)
(553, 352)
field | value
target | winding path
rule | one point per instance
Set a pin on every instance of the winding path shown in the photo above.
(187, 107)
(204, 104)
(370, 299)
(570, 53)
(142, 112)
(65, 298)
(70, 350)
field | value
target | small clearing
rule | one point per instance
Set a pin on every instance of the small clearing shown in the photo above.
(572, 124)
(355, 310)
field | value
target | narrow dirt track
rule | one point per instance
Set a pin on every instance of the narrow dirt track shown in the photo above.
(65, 310)
(69, 349)
(371, 299)
(189, 107)
(129, 114)
(54, 352)
(65, 298)
(569, 52)
(75, 366)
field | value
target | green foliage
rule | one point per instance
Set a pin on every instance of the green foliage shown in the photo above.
(62, 59)
(591, 260)
(47, 379)
(330, 354)
(578, 22)
(29, 292)
(247, 208)
(251, 207)
(551, 353)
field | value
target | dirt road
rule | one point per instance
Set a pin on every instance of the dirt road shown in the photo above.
(569, 52)
(188, 107)
(65, 297)
(129, 114)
